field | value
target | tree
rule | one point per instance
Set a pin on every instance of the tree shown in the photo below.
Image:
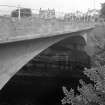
(102, 12)
(90, 94)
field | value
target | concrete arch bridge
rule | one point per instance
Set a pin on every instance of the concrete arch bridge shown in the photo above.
(17, 50)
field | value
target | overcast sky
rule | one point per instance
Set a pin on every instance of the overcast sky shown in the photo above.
(59, 5)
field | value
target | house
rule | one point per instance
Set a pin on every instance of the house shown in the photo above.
(24, 12)
(47, 14)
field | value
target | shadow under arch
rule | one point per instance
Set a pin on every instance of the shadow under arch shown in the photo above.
(66, 52)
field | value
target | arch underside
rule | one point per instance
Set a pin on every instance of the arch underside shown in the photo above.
(13, 56)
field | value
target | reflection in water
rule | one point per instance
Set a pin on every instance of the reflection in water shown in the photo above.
(43, 90)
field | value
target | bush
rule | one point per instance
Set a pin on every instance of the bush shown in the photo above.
(90, 94)
(102, 12)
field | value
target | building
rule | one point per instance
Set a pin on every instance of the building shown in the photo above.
(93, 12)
(24, 12)
(77, 16)
(47, 14)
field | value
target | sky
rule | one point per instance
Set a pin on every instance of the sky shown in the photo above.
(58, 5)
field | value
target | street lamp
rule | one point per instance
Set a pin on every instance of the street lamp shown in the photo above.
(94, 4)
(19, 12)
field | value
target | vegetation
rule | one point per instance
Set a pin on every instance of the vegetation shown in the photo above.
(102, 12)
(92, 93)
(89, 94)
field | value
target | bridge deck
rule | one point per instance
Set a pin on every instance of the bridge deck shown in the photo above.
(12, 30)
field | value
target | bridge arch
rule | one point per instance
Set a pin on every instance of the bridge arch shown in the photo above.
(14, 55)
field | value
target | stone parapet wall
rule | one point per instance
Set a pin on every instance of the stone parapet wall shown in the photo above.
(27, 27)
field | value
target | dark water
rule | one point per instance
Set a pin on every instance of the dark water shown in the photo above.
(32, 90)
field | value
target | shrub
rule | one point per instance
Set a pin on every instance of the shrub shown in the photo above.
(90, 94)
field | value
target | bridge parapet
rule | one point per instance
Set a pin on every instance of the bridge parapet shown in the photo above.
(35, 28)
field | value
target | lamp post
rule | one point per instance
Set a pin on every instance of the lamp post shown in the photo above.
(19, 12)
(94, 4)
